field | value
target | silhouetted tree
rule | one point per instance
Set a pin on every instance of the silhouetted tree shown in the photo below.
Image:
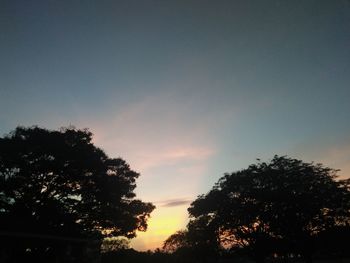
(56, 187)
(280, 205)
(176, 241)
(197, 243)
(202, 235)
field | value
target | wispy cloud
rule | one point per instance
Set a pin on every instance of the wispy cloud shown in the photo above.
(171, 155)
(174, 202)
(156, 132)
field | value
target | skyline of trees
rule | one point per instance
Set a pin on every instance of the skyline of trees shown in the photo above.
(61, 196)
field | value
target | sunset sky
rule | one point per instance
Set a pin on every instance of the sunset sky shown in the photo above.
(183, 90)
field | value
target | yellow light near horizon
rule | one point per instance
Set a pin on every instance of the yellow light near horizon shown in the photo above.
(163, 223)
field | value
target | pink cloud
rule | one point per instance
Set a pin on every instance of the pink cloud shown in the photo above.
(172, 155)
(155, 132)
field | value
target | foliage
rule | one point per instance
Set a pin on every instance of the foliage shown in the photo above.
(180, 239)
(114, 244)
(280, 205)
(58, 185)
(198, 243)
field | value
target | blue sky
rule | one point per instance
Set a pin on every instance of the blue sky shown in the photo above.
(183, 90)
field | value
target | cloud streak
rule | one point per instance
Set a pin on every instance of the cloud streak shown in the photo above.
(175, 202)
(156, 131)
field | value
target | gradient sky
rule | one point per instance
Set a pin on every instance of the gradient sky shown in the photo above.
(183, 90)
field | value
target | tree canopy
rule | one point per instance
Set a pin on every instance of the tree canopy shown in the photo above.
(286, 201)
(198, 242)
(58, 183)
(176, 241)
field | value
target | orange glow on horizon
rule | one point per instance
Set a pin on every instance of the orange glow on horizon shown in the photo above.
(163, 223)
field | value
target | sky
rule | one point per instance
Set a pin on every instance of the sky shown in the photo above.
(184, 91)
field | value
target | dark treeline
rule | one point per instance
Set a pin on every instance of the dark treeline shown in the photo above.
(284, 209)
(62, 199)
(330, 255)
